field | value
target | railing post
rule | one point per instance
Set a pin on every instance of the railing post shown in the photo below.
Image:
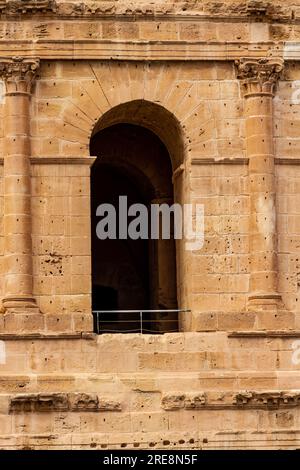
(98, 329)
(141, 321)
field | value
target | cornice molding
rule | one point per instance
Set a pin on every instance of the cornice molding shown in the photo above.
(172, 401)
(48, 336)
(220, 161)
(138, 50)
(242, 399)
(240, 161)
(23, 7)
(265, 334)
(49, 402)
(244, 11)
(71, 160)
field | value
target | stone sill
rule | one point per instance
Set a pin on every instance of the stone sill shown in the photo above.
(34, 336)
(265, 334)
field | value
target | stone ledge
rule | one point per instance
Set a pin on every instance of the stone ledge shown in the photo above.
(48, 402)
(72, 160)
(265, 334)
(240, 161)
(171, 401)
(141, 50)
(265, 399)
(243, 11)
(34, 336)
(58, 160)
(220, 161)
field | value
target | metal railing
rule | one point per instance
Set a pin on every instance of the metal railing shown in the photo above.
(140, 324)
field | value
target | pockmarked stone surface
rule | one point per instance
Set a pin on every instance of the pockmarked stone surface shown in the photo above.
(167, 102)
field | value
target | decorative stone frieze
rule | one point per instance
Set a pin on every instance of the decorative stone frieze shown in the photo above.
(264, 10)
(174, 401)
(267, 399)
(37, 402)
(17, 7)
(219, 400)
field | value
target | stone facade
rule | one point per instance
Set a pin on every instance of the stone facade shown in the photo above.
(219, 84)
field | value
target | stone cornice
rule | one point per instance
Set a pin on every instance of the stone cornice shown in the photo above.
(243, 399)
(94, 49)
(243, 11)
(259, 76)
(220, 161)
(265, 333)
(240, 161)
(18, 73)
(71, 160)
(21, 7)
(271, 399)
(47, 160)
(49, 402)
(171, 401)
(48, 336)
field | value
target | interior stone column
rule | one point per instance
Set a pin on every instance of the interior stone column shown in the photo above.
(258, 81)
(18, 75)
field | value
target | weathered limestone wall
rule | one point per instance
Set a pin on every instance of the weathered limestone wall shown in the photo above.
(70, 97)
(218, 82)
(287, 145)
(191, 390)
(207, 102)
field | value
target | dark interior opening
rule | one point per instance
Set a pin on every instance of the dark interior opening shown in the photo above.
(104, 298)
(126, 274)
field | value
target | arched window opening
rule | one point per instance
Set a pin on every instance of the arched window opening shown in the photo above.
(132, 275)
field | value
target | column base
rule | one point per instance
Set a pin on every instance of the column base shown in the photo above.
(270, 312)
(21, 315)
(265, 301)
(19, 304)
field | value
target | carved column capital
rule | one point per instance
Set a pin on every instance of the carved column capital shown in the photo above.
(18, 73)
(259, 76)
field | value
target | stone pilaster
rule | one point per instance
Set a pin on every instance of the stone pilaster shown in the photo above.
(258, 81)
(18, 75)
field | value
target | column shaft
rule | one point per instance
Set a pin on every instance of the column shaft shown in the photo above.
(263, 236)
(18, 75)
(258, 82)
